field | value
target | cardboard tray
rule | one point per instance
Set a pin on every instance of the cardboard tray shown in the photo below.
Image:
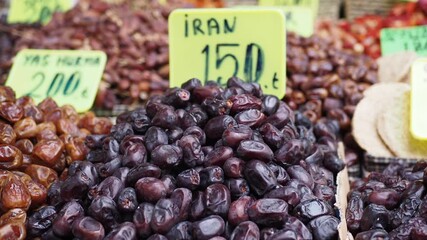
(343, 188)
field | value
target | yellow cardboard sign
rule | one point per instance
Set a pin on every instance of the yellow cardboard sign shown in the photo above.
(312, 4)
(69, 77)
(299, 20)
(419, 99)
(215, 44)
(32, 11)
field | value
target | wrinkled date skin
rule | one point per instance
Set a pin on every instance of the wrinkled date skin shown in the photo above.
(325, 81)
(389, 205)
(199, 162)
(354, 211)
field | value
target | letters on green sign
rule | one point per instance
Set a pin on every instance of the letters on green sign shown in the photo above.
(69, 77)
(395, 40)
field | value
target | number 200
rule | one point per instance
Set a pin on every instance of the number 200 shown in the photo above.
(249, 63)
(57, 83)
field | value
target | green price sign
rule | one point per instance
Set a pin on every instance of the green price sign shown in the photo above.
(69, 77)
(394, 40)
(215, 44)
(32, 11)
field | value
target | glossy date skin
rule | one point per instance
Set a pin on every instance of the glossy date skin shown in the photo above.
(208, 163)
(389, 205)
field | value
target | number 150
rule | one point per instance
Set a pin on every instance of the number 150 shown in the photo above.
(250, 74)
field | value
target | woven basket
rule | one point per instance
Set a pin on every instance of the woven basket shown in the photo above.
(330, 9)
(378, 164)
(117, 110)
(356, 8)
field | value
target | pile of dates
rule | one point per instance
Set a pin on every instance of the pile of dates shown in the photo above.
(134, 39)
(390, 205)
(200, 162)
(325, 82)
(37, 143)
(9, 34)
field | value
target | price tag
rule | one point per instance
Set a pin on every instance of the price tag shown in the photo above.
(312, 4)
(419, 99)
(215, 44)
(299, 20)
(69, 77)
(395, 40)
(32, 11)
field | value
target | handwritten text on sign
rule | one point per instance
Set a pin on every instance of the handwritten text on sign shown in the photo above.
(215, 44)
(69, 77)
(419, 99)
(395, 40)
(299, 20)
(31, 11)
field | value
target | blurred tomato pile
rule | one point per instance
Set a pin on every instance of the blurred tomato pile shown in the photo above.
(363, 33)
(207, 3)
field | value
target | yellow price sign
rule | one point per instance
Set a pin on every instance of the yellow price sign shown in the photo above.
(32, 11)
(419, 99)
(215, 44)
(312, 4)
(69, 77)
(299, 20)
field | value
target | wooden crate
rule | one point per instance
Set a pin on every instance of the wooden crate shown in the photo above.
(356, 8)
(329, 9)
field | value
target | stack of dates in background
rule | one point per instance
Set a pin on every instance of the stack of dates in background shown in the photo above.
(200, 162)
(135, 41)
(362, 34)
(37, 143)
(9, 35)
(390, 205)
(327, 83)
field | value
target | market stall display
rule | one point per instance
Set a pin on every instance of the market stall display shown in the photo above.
(201, 162)
(206, 161)
(37, 144)
(134, 38)
(325, 82)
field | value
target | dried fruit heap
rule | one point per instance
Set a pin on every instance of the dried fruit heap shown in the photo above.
(325, 82)
(135, 41)
(9, 34)
(37, 142)
(391, 204)
(200, 162)
(362, 35)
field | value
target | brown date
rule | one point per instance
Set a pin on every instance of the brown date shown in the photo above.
(14, 194)
(10, 157)
(41, 174)
(49, 151)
